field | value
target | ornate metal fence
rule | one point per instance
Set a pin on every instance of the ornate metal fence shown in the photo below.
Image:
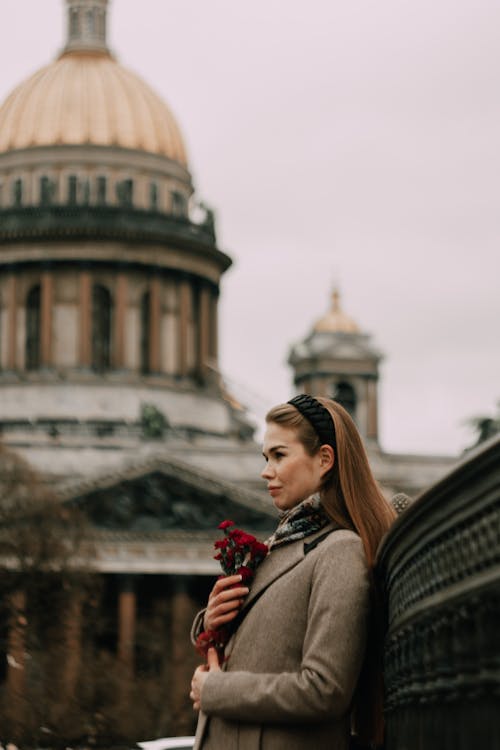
(440, 569)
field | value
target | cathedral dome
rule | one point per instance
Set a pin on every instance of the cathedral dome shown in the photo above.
(85, 97)
(336, 321)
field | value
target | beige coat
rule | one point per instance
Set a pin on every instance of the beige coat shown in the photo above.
(294, 661)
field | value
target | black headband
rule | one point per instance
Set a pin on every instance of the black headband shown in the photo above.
(318, 416)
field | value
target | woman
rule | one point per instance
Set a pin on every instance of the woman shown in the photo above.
(298, 671)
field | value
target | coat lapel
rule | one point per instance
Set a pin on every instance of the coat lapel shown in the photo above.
(278, 562)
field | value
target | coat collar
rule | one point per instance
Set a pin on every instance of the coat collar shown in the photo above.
(279, 561)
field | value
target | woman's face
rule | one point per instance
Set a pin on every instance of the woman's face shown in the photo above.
(291, 473)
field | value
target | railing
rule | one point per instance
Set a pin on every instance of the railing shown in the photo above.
(440, 568)
(56, 221)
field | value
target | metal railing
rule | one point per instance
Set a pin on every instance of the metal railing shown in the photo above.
(440, 570)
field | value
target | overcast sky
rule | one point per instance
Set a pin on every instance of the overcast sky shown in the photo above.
(339, 141)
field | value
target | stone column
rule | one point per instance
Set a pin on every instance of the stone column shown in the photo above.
(72, 645)
(127, 606)
(154, 324)
(372, 422)
(12, 322)
(16, 676)
(214, 326)
(121, 311)
(67, 649)
(46, 304)
(184, 656)
(203, 330)
(85, 351)
(184, 301)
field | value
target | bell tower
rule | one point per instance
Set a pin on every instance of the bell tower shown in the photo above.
(338, 360)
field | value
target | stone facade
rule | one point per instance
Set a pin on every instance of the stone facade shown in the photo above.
(109, 381)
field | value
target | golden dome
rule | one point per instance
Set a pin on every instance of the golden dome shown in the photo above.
(336, 321)
(85, 97)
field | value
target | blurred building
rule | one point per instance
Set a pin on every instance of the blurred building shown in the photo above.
(109, 380)
(338, 359)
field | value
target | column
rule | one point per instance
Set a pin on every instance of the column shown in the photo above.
(15, 658)
(184, 656)
(372, 421)
(184, 302)
(65, 671)
(72, 644)
(46, 304)
(203, 331)
(12, 322)
(120, 323)
(85, 351)
(154, 324)
(214, 326)
(127, 607)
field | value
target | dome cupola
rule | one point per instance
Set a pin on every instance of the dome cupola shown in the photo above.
(85, 97)
(338, 360)
(336, 321)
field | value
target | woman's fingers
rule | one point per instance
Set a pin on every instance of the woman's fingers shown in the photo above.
(224, 603)
(228, 597)
(216, 622)
(222, 613)
(196, 684)
(223, 583)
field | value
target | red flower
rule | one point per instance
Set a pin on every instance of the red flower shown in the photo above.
(211, 639)
(225, 525)
(241, 538)
(238, 553)
(246, 573)
(259, 549)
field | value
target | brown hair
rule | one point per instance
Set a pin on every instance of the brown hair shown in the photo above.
(352, 498)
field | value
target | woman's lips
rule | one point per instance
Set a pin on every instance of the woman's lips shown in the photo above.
(273, 491)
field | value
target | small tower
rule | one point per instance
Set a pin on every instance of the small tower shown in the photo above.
(338, 360)
(86, 25)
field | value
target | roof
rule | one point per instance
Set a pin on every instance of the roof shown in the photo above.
(87, 97)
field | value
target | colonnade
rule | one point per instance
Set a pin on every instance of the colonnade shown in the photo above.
(195, 328)
(178, 660)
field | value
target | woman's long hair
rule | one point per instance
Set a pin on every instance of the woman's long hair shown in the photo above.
(352, 498)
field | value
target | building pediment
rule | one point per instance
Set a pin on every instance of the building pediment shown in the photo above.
(161, 495)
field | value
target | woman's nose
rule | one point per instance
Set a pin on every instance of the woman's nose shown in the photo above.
(266, 472)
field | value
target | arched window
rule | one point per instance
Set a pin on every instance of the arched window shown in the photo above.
(46, 191)
(72, 189)
(179, 205)
(145, 331)
(125, 193)
(74, 24)
(33, 320)
(101, 328)
(153, 196)
(90, 23)
(101, 190)
(345, 395)
(17, 192)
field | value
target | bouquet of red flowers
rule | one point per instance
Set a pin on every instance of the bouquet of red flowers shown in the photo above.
(239, 553)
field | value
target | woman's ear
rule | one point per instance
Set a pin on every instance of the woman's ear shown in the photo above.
(326, 459)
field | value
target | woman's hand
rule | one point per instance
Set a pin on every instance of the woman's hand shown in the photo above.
(224, 602)
(200, 675)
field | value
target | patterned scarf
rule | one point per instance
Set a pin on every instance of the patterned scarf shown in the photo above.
(299, 522)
